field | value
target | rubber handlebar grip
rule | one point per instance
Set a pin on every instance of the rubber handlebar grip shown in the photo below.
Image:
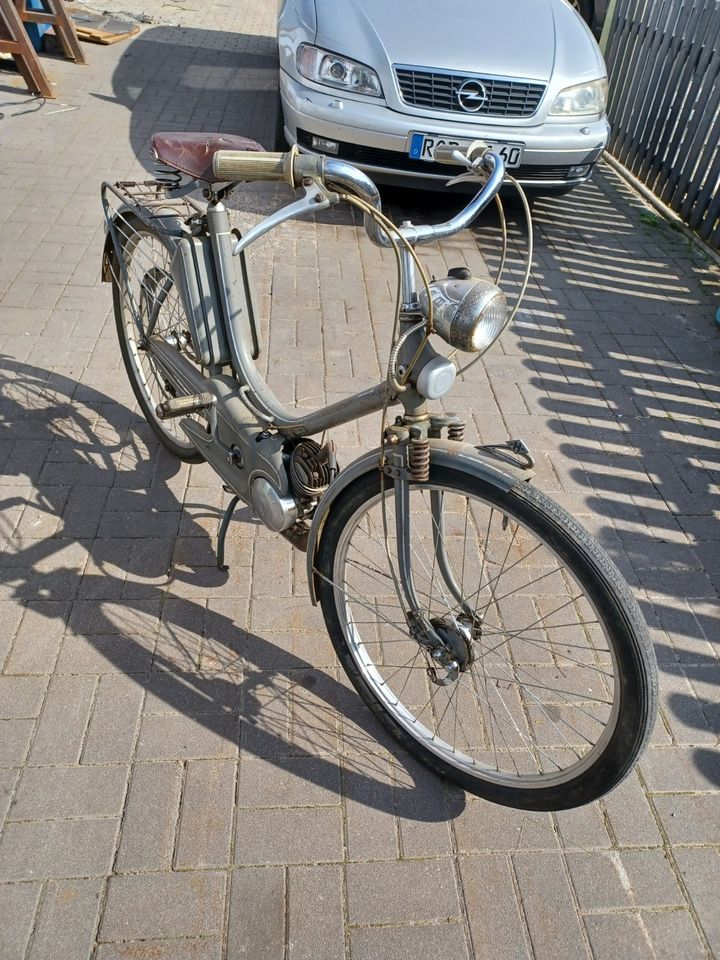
(252, 165)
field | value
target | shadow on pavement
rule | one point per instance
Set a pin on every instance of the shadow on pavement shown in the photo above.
(180, 78)
(195, 661)
(621, 354)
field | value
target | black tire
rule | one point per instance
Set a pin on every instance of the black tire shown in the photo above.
(633, 705)
(153, 251)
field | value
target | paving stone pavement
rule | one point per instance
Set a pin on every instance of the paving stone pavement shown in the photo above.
(184, 771)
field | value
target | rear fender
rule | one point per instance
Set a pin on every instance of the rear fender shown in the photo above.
(443, 453)
(106, 268)
(172, 228)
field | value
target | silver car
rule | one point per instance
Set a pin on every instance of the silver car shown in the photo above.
(383, 83)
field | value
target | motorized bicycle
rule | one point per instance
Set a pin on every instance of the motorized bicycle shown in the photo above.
(475, 617)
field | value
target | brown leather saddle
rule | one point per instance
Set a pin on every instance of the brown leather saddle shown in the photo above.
(192, 153)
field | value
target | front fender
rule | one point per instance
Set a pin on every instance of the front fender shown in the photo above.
(443, 453)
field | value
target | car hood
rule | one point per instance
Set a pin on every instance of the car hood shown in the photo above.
(512, 38)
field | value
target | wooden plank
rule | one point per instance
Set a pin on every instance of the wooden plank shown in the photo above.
(664, 64)
(630, 45)
(669, 135)
(657, 16)
(702, 147)
(707, 205)
(702, 53)
(105, 37)
(713, 238)
(101, 28)
(635, 41)
(669, 89)
(667, 58)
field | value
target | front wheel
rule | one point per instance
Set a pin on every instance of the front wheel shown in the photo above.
(556, 695)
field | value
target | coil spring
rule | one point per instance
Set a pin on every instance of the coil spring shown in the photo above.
(456, 431)
(419, 459)
(167, 177)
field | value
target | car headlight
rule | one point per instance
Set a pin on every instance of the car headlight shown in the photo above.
(327, 68)
(582, 100)
(468, 314)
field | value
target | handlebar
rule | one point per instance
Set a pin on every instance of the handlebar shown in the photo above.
(293, 167)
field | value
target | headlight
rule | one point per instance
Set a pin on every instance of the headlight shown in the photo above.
(327, 68)
(581, 100)
(468, 314)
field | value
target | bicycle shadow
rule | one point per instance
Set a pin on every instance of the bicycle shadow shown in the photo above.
(133, 598)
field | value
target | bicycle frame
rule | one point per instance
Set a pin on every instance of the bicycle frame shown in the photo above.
(247, 428)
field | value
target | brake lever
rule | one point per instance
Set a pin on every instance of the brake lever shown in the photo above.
(474, 171)
(317, 197)
(463, 178)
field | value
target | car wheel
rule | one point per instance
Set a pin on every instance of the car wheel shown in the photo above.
(586, 9)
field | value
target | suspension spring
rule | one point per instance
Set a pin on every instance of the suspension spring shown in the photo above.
(456, 431)
(419, 459)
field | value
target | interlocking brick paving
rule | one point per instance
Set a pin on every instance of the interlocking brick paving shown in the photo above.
(184, 770)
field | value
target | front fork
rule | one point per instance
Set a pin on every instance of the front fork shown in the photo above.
(445, 639)
(406, 460)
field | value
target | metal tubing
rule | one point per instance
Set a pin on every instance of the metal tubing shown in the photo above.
(436, 510)
(403, 534)
(306, 423)
(342, 175)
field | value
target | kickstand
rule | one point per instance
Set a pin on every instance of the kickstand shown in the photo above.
(223, 533)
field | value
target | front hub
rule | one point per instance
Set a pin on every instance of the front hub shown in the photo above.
(456, 636)
(448, 644)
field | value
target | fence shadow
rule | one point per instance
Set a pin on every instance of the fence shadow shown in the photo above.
(135, 598)
(622, 356)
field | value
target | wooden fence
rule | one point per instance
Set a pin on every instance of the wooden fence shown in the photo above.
(663, 60)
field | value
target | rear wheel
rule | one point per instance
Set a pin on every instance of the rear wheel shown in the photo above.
(144, 290)
(555, 696)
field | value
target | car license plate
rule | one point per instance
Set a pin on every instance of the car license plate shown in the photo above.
(423, 146)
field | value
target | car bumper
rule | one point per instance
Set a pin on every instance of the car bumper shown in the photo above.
(376, 139)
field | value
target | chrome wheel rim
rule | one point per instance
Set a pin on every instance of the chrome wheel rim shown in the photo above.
(511, 722)
(147, 268)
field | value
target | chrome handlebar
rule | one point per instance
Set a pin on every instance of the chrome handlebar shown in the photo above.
(297, 169)
(339, 175)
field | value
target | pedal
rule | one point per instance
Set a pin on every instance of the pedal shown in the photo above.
(182, 406)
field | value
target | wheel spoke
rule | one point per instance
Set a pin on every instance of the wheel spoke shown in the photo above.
(522, 707)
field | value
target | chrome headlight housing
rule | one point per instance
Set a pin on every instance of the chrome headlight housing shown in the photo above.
(332, 70)
(468, 314)
(584, 99)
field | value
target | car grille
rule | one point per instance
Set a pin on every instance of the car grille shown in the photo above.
(392, 160)
(433, 90)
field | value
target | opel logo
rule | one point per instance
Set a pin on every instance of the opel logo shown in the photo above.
(472, 95)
